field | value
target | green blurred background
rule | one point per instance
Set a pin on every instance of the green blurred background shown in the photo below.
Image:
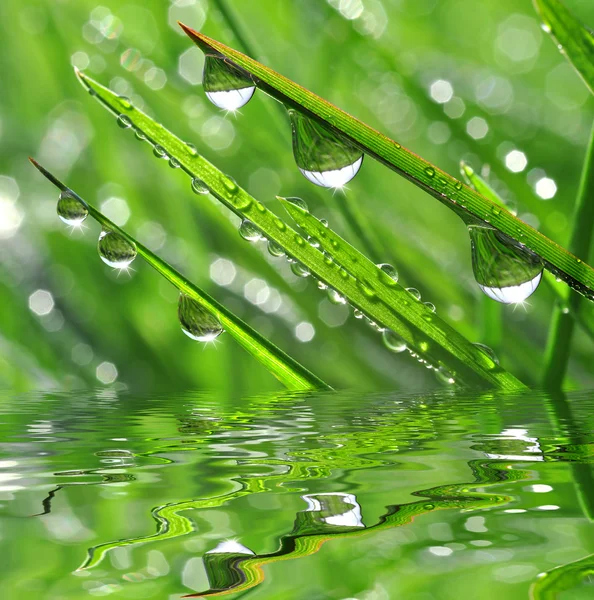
(450, 79)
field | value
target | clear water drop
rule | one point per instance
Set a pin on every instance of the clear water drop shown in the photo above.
(299, 269)
(430, 306)
(414, 292)
(115, 250)
(389, 274)
(140, 135)
(174, 163)
(488, 351)
(249, 232)
(229, 184)
(298, 202)
(322, 286)
(71, 210)
(197, 322)
(335, 297)
(226, 85)
(324, 157)
(393, 341)
(191, 149)
(444, 376)
(324, 222)
(160, 152)
(125, 102)
(199, 187)
(275, 249)
(124, 121)
(430, 171)
(357, 314)
(504, 271)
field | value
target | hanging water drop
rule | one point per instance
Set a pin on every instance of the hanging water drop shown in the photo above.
(124, 121)
(160, 152)
(249, 232)
(357, 313)
(197, 322)
(393, 341)
(503, 270)
(389, 274)
(71, 210)
(275, 249)
(115, 250)
(299, 269)
(335, 297)
(199, 187)
(226, 85)
(324, 157)
(174, 163)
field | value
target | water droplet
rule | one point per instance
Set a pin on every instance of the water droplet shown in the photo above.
(71, 210)
(430, 306)
(174, 163)
(226, 85)
(393, 341)
(430, 171)
(313, 242)
(140, 135)
(191, 149)
(328, 259)
(324, 157)
(357, 314)
(229, 184)
(496, 210)
(125, 102)
(365, 288)
(428, 506)
(115, 250)
(503, 270)
(275, 249)
(279, 224)
(335, 297)
(299, 269)
(414, 292)
(389, 274)
(444, 376)
(546, 27)
(488, 351)
(124, 121)
(322, 286)
(324, 222)
(298, 202)
(199, 187)
(248, 231)
(197, 322)
(160, 152)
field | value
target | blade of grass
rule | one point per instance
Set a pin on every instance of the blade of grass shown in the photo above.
(428, 177)
(287, 370)
(415, 322)
(570, 36)
(563, 322)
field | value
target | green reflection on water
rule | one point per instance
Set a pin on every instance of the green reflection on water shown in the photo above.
(413, 496)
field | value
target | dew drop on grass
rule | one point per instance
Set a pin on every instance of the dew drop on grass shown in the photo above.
(199, 187)
(299, 269)
(191, 149)
(71, 210)
(275, 249)
(335, 297)
(160, 152)
(389, 274)
(140, 135)
(174, 163)
(197, 322)
(226, 85)
(323, 156)
(115, 250)
(393, 341)
(504, 271)
(414, 292)
(124, 121)
(249, 232)
(298, 202)
(125, 102)
(488, 351)
(430, 306)
(430, 171)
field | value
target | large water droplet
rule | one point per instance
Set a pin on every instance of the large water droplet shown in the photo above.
(115, 250)
(71, 210)
(504, 270)
(298, 202)
(275, 249)
(299, 269)
(226, 85)
(324, 157)
(389, 274)
(197, 322)
(249, 232)
(393, 341)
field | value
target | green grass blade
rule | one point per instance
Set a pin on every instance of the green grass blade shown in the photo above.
(564, 317)
(415, 322)
(572, 37)
(428, 177)
(287, 370)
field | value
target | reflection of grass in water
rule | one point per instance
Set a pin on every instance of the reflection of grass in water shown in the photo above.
(550, 584)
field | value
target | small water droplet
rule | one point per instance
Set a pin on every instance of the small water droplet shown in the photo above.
(249, 232)
(324, 222)
(298, 202)
(414, 292)
(174, 163)
(458, 185)
(430, 172)
(229, 184)
(488, 351)
(226, 85)
(71, 210)
(366, 288)
(335, 297)
(428, 506)
(496, 210)
(140, 135)
(115, 250)
(357, 313)
(260, 207)
(279, 224)
(191, 149)
(125, 102)
(275, 249)
(444, 376)
(124, 121)
(196, 321)
(299, 240)
(322, 286)
(546, 27)
(388, 275)
(299, 269)
(393, 341)
(328, 259)
(313, 242)
(430, 306)
(160, 152)
(324, 157)
(199, 187)
(504, 271)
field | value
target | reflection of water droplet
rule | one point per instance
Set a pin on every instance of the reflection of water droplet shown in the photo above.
(488, 351)
(199, 186)
(275, 249)
(393, 341)
(324, 157)
(335, 297)
(298, 202)
(225, 84)
(248, 231)
(197, 322)
(414, 292)
(364, 286)
(389, 274)
(444, 376)
(299, 269)
(504, 271)
(71, 210)
(124, 121)
(115, 250)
